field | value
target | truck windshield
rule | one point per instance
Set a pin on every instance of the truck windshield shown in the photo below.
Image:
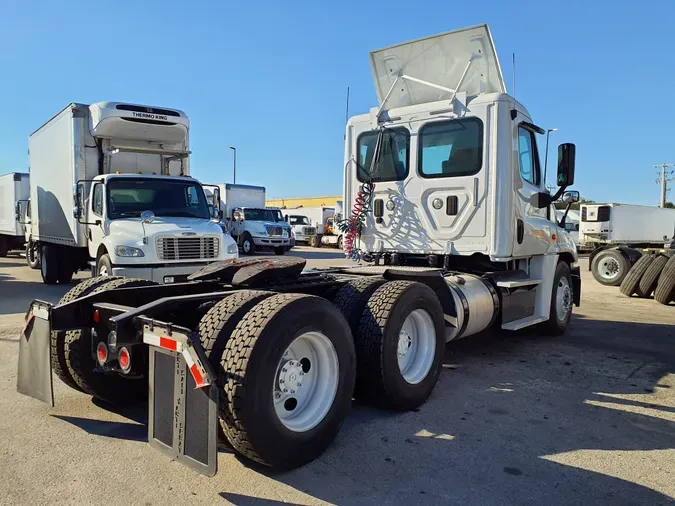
(299, 220)
(130, 197)
(261, 215)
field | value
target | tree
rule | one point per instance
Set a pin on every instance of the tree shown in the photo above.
(669, 205)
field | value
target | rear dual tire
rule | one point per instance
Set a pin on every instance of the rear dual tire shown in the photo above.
(665, 288)
(78, 366)
(285, 371)
(55, 265)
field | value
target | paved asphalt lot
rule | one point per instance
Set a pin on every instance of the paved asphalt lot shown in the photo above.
(587, 418)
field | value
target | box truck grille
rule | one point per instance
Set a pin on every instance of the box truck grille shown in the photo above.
(187, 248)
(274, 231)
(309, 231)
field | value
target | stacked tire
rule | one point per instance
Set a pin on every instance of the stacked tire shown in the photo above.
(665, 288)
(651, 275)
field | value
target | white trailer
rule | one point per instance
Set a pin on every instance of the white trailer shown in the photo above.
(448, 210)
(110, 190)
(14, 190)
(618, 234)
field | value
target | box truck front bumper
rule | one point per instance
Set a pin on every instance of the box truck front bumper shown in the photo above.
(160, 274)
(271, 242)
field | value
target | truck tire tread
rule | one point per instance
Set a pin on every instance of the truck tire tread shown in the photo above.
(78, 352)
(650, 278)
(351, 299)
(665, 289)
(631, 282)
(220, 321)
(58, 357)
(372, 381)
(234, 378)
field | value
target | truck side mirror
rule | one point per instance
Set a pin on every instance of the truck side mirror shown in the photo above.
(566, 157)
(237, 215)
(216, 197)
(571, 197)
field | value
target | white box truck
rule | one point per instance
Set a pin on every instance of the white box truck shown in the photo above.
(254, 227)
(110, 189)
(14, 189)
(618, 234)
(445, 195)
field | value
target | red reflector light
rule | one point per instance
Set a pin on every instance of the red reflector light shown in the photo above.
(97, 316)
(169, 344)
(124, 359)
(102, 353)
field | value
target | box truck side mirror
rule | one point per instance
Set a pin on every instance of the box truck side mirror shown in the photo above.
(571, 197)
(566, 157)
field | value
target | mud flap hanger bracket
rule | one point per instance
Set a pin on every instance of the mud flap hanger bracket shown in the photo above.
(182, 341)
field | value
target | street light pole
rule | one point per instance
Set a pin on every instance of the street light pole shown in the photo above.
(235, 164)
(548, 133)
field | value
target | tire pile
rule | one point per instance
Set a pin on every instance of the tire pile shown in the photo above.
(651, 274)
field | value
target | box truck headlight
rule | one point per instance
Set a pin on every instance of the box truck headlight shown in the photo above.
(128, 251)
(232, 249)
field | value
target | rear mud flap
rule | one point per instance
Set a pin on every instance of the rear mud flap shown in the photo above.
(182, 419)
(34, 377)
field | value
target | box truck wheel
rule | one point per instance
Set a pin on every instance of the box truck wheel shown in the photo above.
(339, 243)
(315, 241)
(58, 358)
(631, 282)
(247, 244)
(4, 247)
(399, 345)
(104, 265)
(609, 267)
(279, 250)
(33, 255)
(665, 288)
(651, 276)
(49, 268)
(562, 300)
(287, 377)
(109, 387)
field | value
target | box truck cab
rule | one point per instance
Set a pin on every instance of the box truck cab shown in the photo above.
(110, 190)
(251, 224)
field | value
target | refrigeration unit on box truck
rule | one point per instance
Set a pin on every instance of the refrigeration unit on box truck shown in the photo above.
(617, 234)
(111, 190)
(14, 189)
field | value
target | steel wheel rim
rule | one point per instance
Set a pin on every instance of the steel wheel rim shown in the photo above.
(306, 382)
(103, 271)
(416, 346)
(563, 299)
(609, 268)
(246, 246)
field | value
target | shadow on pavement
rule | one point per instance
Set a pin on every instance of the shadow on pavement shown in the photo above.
(16, 296)
(117, 430)
(498, 430)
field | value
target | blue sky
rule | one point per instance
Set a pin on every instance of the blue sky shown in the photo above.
(270, 78)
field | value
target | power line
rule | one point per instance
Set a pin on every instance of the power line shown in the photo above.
(666, 176)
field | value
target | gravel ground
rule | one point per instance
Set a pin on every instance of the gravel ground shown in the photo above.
(517, 418)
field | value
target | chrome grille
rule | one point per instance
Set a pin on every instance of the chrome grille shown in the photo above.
(274, 231)
(309, 231)
(187, 248)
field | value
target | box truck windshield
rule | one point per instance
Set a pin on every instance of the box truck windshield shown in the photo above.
(262, 215)
(130, 197)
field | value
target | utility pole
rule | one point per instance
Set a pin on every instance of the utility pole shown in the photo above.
(666, 176)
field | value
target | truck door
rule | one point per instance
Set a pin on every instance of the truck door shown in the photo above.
(533, 227)
(95, 210)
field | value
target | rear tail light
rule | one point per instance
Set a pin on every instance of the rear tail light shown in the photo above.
(97, 316)
(124, 360)
(102, 353)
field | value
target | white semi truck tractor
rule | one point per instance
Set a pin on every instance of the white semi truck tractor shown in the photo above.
(446, 207)
(111, 191)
